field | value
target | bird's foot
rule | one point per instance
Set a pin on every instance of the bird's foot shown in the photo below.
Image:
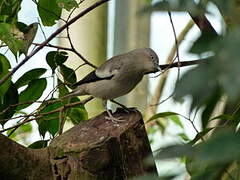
(115, 120)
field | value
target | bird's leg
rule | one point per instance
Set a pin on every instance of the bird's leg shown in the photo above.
(125, 108)
(110, 116)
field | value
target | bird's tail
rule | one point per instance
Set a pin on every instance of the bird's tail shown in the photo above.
(75, 92)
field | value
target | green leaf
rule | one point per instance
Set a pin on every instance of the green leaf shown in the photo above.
(6, 108)
(9, 10)
(224, 117)
(68, 74)
(29, 35)
(32, 93)
(175, 119)
(38, 144)
(223, 147)
(161, 115)
(183, 136)
(49, 122)
(11, 36)
(63, 90)
(174, 151)
(204, 43)
(200, 135)
(49, 12)
(56, 58)
(199, 82)
(29, 76)
(227, 63)
(67, 4)
(20, 131)
(77, 115)
(210, 103)
(4, 69)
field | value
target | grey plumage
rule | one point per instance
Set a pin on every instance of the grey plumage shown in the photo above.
(118, 76)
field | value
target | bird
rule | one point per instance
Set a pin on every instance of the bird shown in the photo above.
(117, 76)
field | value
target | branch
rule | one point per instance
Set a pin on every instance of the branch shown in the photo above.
(158, 91)
(53, 35)
(19, 162)
(182, 64)
(203, 24)
(72, 50)
(37, 116)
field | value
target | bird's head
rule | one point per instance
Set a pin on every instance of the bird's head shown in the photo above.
(148, 60)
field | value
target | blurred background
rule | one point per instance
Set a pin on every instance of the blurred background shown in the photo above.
(118, 27)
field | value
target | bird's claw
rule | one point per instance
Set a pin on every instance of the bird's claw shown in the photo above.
(115, 120)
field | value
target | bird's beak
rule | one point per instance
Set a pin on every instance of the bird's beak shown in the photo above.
(158, 67)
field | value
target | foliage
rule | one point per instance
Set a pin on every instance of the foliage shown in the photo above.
(213, 153)
(29, 88)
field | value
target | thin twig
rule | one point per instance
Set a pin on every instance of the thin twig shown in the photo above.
(53, 35)
(37, 116)
(162, 81)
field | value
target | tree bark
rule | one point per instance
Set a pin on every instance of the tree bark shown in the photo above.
(19, 162)
(95, 149)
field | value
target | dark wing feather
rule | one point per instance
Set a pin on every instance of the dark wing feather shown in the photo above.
(91, 77)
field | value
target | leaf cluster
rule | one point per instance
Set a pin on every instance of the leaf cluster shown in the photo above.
(29, 88)
(213, 153)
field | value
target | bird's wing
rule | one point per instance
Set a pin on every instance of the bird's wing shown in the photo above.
(110, 67)
(91, 77)
(105, 71)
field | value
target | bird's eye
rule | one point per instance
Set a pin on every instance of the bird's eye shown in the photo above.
(152, 57)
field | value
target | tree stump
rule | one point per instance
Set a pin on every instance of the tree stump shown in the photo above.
(97, 149)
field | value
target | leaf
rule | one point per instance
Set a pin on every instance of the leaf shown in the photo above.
(49, 12)
(32, 93)
(4, 69)
(68, 74)
(200, 135)
(20, 131)
(38, 144)
(77, 115)
(175, 119)
(29, 76)
(10, 35)
(227, 63)
(9, 10)
(204, 43)
(161, 115)
(10, 98)
(199, 82)
(174, 151)
(67, 4)
(224, 117)
(211, 103)
(183, 136)
(29, 35)
(223, 147)
(49, 122)
(56, 58)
